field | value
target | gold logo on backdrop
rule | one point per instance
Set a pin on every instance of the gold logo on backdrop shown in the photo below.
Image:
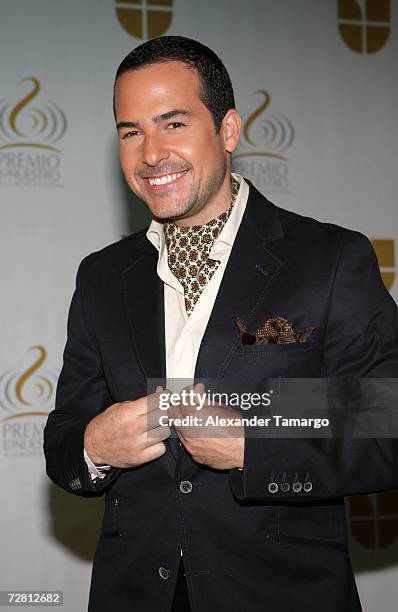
(265, 135)
(364, 25)
(23, 124)
(144, 18)
(374, 519)
(28, 392)
(385, 252)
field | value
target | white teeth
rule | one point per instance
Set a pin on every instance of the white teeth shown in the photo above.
(169, 178)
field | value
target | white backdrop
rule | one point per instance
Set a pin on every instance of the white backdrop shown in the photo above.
(316, 84)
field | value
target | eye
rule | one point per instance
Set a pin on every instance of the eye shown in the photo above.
(175, 125)
(130, 134)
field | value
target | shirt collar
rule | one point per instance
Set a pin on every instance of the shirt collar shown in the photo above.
(227, 235)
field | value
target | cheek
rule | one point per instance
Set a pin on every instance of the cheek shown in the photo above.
(197, 149)
(183, 150)
(127, 161)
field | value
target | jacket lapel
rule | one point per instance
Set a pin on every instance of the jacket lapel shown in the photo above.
(144, 298)
(145, 307)
(248, 277)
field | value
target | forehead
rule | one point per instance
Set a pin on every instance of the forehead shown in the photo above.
(148, 90)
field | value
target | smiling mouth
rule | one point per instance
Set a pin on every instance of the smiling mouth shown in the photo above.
(166, 179)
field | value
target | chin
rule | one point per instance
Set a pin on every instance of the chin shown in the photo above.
(173, 214)
(164, 215)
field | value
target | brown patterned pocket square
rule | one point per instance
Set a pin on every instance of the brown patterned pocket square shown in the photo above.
(275, 330)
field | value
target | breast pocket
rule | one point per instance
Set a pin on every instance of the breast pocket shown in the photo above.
(274, 348)
(296, 359)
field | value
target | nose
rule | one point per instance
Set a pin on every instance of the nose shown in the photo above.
(153, 149)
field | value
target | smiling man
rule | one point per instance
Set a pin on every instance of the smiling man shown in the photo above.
(221, 285)
(172, 156)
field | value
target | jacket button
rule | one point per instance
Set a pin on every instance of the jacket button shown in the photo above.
(273, 487)
(164, 573)
(297, 486)
(307, 486)
(186, 486)
(285, 487)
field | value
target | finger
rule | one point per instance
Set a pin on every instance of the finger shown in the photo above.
(158, 433)
(180, 433)
(158, 399)
(175, 412)
(189, 400)
(186, 395)
(157, 418)
(153, 452)
(141, 405)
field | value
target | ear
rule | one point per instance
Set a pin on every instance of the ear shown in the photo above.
(230, 127)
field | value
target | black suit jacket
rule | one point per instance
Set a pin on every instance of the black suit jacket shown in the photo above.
(245, 547)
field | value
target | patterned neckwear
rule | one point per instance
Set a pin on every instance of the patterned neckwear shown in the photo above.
(188, 251)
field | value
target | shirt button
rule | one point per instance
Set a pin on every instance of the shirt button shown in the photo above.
(297, 486)
(307, 486)
(164, 573)
(273, 487)
(186, 486)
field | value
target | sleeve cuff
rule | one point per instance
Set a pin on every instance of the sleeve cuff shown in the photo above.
(96, 471)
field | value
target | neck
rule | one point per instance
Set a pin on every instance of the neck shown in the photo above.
(214, 207)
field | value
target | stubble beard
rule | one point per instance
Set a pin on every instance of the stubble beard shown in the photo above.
(197, 200)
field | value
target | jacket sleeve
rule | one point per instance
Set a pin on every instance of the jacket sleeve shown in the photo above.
(361, 340)
(82, 393)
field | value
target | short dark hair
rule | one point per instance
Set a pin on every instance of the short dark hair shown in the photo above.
(216, 90)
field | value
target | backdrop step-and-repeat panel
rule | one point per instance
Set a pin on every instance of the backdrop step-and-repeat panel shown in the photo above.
(316, 84)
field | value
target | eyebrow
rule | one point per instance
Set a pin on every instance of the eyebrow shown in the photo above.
(163, 117)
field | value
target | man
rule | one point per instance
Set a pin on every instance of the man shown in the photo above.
(256, 523)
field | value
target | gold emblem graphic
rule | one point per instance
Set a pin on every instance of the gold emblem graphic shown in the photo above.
(25, 125)
(265, 135)
(364, 25)
(30, 392)
(374, 519)
(146, 18)
(386, 257)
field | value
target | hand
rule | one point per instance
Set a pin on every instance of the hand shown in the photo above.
(218, 446)
(119, 435)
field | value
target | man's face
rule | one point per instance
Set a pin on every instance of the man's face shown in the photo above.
(170, 154)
